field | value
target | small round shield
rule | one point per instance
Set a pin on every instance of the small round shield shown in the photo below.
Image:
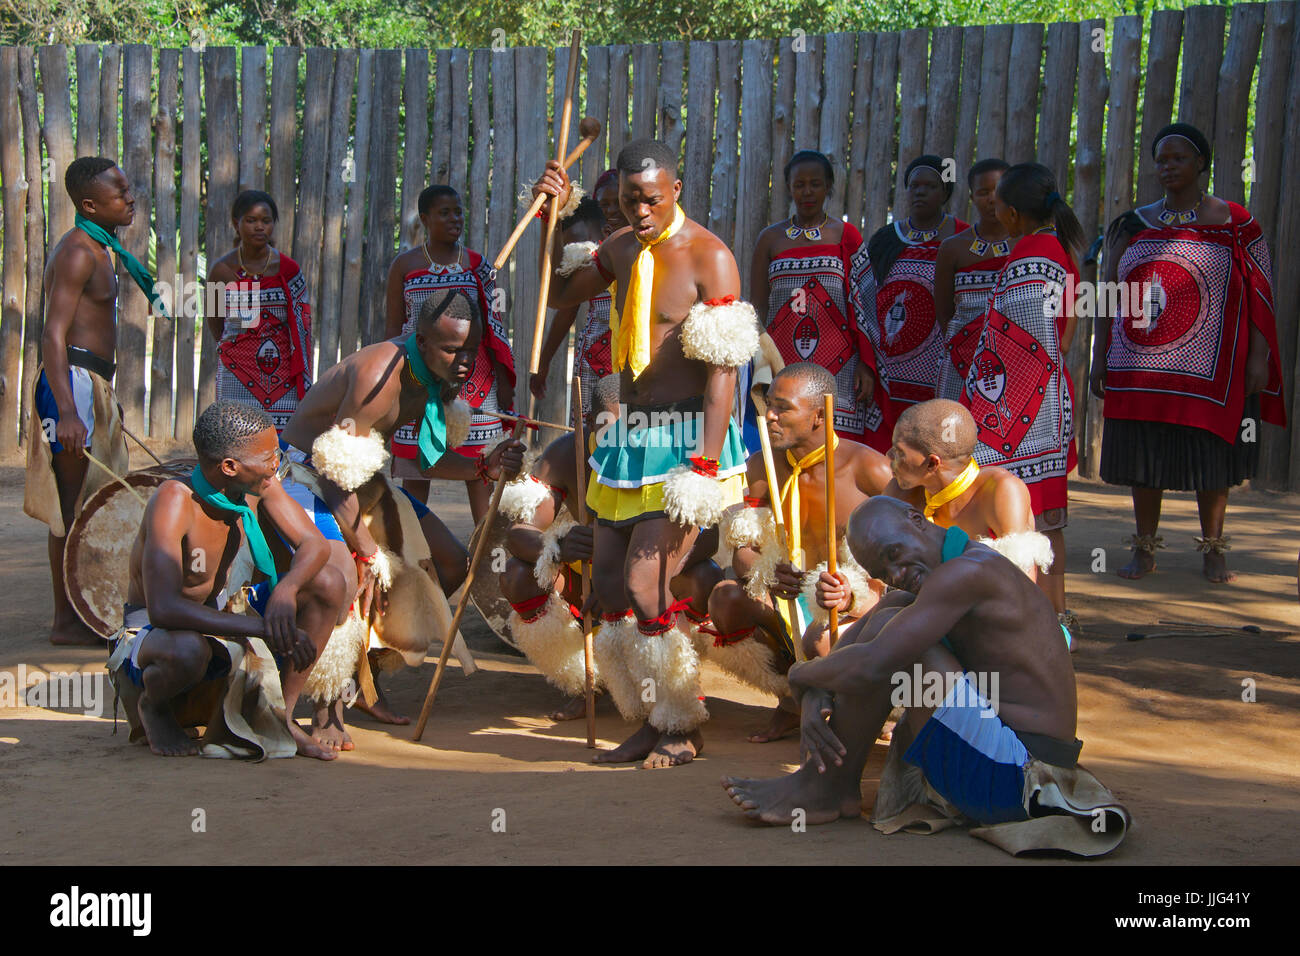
(97, 552)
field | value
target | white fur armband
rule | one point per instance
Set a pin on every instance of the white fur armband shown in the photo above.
(746, 527)
(576, 195)
(549, 561)
(864, 596)
(458, 418)
(692, 499)
(576, 256)
(521, 498)
(1025, 549)
(724, 335)
(346, 459)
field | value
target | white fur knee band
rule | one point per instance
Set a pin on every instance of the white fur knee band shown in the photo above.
(610, 651)
(346, 459)
(555, 645)
(752, 662)
(577, 255)
(667, 667)
(337, 663)
(692, 499)
(1025, 549)
(549, 562)
(521, 498)
(458, 419)
(721, 334)
(859, 584)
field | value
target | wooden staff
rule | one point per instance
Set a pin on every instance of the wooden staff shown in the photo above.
(131, 435)
(774, 495)
(531, 421)
(450, 638)
(553, 221)
(580, 453)
(590, 129)
(829, 414)
(120, 480)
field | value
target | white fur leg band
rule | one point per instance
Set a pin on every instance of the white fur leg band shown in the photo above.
(577, 255)
(521, 498)
(692, 499)
(554, 643)
(330, 675)
(549, 562)
(864, 596)
(724, 335)
(458, 420)
(610, 651)
(751, 661)
(1025, 549)
(346, 459)
(666, 668)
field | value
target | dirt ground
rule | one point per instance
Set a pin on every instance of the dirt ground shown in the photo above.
(1208, 778)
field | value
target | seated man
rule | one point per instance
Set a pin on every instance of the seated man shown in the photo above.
(338, 436)
(935, 471)
(171, 658)
(752, 616)
(543, 578)
(1006, 761)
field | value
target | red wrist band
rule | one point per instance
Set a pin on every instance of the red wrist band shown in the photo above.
(708, 467)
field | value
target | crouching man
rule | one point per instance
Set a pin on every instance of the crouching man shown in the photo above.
(181, 660)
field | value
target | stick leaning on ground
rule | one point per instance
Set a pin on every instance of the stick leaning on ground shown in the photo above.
(580, 452)
(450, 638)
(774, 495)
(828, 408)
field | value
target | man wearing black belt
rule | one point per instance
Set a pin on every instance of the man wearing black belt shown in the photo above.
(74, 410)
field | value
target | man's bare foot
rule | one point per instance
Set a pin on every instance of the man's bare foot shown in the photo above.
(1143, 563)
(673, 750)
(636, 747)
(166, 737)
(380, 710)
(74, 633)
(327, 727)
(782, 724)
(775, 801)
(573, 709)
(1215, 568)
(308, 747)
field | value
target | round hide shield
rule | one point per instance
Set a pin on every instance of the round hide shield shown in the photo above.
(97, 553)
(485, 592)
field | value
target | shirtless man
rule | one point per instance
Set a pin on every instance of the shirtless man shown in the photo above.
(73, 404)
(172, 600)
(342, 426)
(754, 637)
(680, 338)
(935, 472)
(544, 540)
(962, 610)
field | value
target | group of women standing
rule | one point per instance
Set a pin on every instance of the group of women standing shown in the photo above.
(929, 306)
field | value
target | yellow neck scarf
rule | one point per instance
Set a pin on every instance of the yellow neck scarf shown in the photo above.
(959, 484)
(790, 496)
(632, 333)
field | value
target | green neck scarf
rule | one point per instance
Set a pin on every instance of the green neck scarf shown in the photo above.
(133, 265)
(256, 540)
(433, 424)
(954, 543)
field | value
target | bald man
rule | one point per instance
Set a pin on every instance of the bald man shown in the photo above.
(753, 631)
(935, 471)
(994, 745)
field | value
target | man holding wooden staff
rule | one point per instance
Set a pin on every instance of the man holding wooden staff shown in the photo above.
(676, 461)
(753, 631)
(75, 434)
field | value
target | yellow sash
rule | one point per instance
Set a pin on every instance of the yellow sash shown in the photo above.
(954, 490)
(790, 491)
(632, 325)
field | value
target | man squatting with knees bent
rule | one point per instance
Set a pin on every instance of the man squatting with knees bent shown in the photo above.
(753, 633)
(341, 430)
(678, 339)
(174, 615)
(542, 579)
(74, 409)
(935, 471)
(960, 609)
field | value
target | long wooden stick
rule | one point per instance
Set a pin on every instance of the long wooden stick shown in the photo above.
(774, 496)
(120, 479)
(538, 201)
(148, 451)
(531, 421)
(553, 221)
(588, 650)
(829, 412)
(450, 639)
